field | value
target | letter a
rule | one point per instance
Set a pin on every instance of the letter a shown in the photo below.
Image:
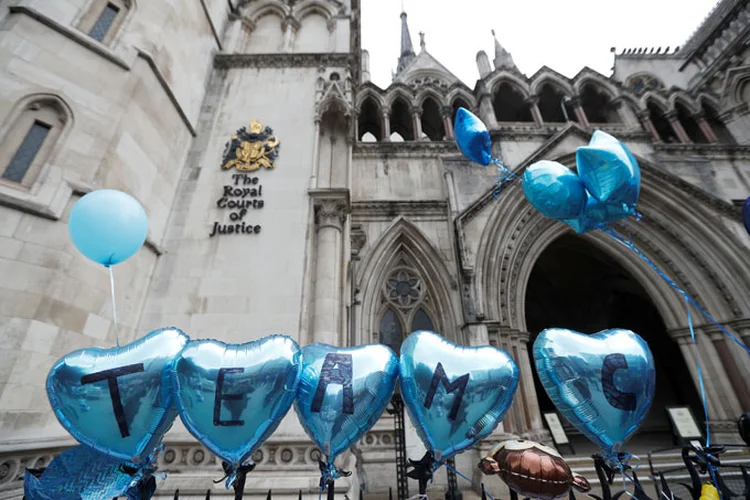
(337, 369)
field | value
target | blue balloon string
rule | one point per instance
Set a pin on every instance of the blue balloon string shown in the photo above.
(700, 372)
(506, 176)
(671, 283)
(472, 482)
(114, 306)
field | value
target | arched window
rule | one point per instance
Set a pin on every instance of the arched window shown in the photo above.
(30, 139)
(401, 122)
(662, 125)
(458, 103)
(551, 103)
(369, 120)
(745, 92)
(510, 105)
(689, 123)
(597, 105)
(406, 305)
(432, 122)
(713, 120)
(104, 18)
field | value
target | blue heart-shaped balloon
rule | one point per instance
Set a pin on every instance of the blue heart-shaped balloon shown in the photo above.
(455, 395)
(472, 137)
(231, 397)
(118, 401)
(343, 392)
(603, 383)
(555, 190)
(80, 473)
(609, 171)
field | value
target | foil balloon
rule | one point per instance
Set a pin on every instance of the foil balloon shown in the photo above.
(603, 384)
(232, 397)
(555, 190)
(455, 395)
(472, 137)
(532, 470)
(609, 171)
(595, 215)
(108, 226)
(342, 393)
(118, 401)
(746, 215)
(80, 473)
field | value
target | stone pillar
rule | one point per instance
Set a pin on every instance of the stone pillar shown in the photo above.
(575, 103)
(708, 132)
(416, 117)
(330, 215)
(527, 389)
(689, 353)
(486, 111)
(625, 112)
(677, 127)
(445, 112)
(645, 118)
(533, 102)
(386, 124)
(738, 377)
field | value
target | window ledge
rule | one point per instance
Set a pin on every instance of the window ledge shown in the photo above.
(74, 35)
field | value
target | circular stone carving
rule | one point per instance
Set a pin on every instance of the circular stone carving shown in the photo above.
(386, 439)
(258, 456)
(198, 456)
(8, 470)
(369, 439)
(286, 455)
(315, 455)
(169, 456)
(39, 463)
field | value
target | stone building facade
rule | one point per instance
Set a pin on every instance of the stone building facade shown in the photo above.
(372, 224)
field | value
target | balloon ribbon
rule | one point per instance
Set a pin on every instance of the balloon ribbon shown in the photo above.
(114, 306)
(505, 174)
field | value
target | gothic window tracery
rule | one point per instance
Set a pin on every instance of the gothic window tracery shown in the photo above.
(405, 305)
(640, 84)
(369, 120)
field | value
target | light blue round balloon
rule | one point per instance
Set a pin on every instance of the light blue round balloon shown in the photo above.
(342, 393)
(232, 397)
(472, 137)
(108, 226)
(455, 395)
(603, 383)
(118, 401)
(554, 190)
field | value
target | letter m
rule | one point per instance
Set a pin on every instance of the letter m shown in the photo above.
(458, 386)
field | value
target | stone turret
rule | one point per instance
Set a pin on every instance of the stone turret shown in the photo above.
(483, 64)
(503, 59)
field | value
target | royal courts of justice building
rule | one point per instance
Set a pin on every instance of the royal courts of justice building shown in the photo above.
(369, 225)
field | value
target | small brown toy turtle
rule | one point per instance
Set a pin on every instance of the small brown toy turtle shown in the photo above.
(532, 470)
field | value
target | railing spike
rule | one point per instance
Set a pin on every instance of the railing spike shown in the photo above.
(177, 494)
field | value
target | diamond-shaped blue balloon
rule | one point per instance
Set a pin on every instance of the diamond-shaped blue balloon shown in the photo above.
(609, 171)
(472, 137)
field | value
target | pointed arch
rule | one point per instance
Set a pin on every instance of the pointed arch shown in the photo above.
(369, 92)
(401, 119)
(596, 102)
(254, 11)
(550, 79)
(403, 240)
(369, 119)
(429, 93)
(554, 102)
(504, 77)
(657, 109)
(599, 81)
(684, 99)
(397, 91)
(432, 120)
(307, 7)
(710, 273)
(459, 93)
(510, 104)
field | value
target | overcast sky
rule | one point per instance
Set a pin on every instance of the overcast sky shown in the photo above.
(566, 35)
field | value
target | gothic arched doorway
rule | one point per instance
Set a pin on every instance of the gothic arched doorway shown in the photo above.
(575, 285)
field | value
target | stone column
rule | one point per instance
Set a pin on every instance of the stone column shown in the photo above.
(677, 127)
(385, 118)
(645, 118)
(330, 215)
(682, 337)
(533, 102)
(486, 111)
(445, 112)
(626, 114)
(527, 389)
(708, 132)
(416, 117)
(575, 103)
(739, 381)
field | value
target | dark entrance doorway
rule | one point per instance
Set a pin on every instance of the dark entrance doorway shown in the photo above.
(577, 286)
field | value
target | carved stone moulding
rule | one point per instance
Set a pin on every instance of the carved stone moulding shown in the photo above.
(340, 60)
(14, 464)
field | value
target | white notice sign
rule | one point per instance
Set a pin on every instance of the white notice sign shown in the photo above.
(683, 420)
(556, 428)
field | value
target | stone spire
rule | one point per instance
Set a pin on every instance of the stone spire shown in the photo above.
(503, 59)
(407, 51)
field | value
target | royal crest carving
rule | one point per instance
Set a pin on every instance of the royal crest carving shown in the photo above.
(249, 150)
